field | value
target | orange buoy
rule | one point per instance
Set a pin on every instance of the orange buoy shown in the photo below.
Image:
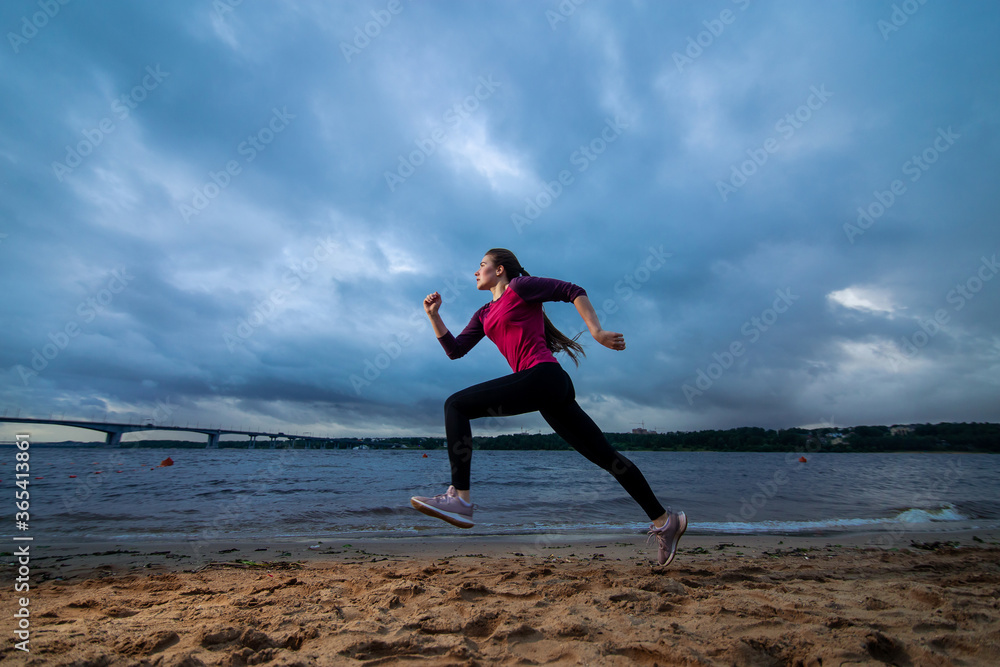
(167, 462)
(425, 456)
(71, 476)
(39, 478)
(802, 459)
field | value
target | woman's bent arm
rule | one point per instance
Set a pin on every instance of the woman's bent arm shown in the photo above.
(609, 339)
(439, 328)
(432, 303)
(589, 315)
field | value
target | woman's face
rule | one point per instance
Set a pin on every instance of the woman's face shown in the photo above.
(486, 276)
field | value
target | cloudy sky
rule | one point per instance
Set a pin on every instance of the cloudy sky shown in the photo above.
(229, 212)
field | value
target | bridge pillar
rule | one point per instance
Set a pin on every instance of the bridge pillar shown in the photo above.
(253, 442)
(274, 439)
(213, 441)
(113, 439)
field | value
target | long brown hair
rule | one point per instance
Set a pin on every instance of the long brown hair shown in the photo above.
(555, 340)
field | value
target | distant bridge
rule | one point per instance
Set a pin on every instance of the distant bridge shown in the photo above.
(114, 431)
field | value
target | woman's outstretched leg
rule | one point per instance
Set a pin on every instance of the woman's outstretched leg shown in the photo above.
(576, 427)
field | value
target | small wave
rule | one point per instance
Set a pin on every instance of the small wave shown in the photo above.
(945, 513)
(912, 516)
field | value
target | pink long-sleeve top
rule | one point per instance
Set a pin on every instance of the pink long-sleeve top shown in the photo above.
(514, 322)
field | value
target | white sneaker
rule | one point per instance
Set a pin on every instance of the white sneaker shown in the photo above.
(447, 507)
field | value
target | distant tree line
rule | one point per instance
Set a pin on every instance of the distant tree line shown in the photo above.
(974, 437)
(739, 439)
(946, 437)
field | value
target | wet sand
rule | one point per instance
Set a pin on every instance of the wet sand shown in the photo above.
(919, 599)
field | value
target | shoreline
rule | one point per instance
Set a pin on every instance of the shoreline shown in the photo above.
(737, 600)
(83, 558)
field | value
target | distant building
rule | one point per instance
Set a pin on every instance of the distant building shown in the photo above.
(901, 430)
(642, 431)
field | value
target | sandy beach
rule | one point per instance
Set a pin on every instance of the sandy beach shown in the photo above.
(925, 600)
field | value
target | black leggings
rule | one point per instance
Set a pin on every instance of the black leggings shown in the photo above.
(547, 388)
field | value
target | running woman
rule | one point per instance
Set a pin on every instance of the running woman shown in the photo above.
(514, 320)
